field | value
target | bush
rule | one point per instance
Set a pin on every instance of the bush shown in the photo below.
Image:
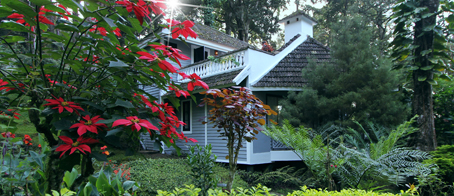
(167, 174)
(282, 178)
(190, 190)
(202, 164)
(444, 158)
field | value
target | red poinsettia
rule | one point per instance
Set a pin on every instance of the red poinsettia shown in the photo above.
(171, 52)
(163, 64)
(90, 124)
(157, 7)
(195, 81)
(41, 18)
(101, 30)
(62, 104)
(140, 9)
(66, 14)
(117, 32)
(136, 123)
(3, 87)
(181, 28)
(80, 144)
(179, 92)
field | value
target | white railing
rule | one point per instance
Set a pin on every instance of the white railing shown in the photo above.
(218, 65)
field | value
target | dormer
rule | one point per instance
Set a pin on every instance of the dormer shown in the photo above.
(298, 23)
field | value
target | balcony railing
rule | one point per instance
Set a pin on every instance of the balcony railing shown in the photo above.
(277, 145)
(218, 65)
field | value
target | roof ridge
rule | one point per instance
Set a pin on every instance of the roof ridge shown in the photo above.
(199, 23)
(317, 42)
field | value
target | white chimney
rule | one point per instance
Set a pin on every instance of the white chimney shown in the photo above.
(298, 23)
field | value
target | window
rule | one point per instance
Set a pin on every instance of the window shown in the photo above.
(273, 102)
(173, 45)
(186, 116)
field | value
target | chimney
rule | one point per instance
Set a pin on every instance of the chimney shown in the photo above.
(298, 23)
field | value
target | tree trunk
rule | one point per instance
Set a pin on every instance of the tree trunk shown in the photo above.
(425, 138)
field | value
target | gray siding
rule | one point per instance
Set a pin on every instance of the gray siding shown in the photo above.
(219, 146)
(154, 91)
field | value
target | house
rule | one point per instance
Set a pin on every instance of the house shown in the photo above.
(269, 75)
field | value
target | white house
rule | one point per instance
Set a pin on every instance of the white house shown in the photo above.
(269, 75)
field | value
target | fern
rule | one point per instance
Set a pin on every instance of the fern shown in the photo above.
(367, 158)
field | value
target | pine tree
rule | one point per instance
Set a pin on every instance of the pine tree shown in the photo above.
(358, 84)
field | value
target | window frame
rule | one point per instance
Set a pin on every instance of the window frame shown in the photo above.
(190, 116)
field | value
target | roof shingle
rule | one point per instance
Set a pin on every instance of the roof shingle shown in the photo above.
(287, 72)
(208, 33)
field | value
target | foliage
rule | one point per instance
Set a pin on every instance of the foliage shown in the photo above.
(202, 164)
(368, 164)
(444, 112)
(319, 157)
(282, 178)
(356, 85)
(420, 48)
(443, 157)
(236, 114)
(167, 174)
(79, 77)
(20, 168)
(190, 190)
(108, 182)
(432, 184)
(314, 192)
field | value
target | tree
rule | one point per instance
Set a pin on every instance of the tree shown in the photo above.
(235, 114)
(356, 85)
(84, 76)
(419, 46)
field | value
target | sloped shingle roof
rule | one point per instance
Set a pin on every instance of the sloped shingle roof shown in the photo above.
(287, 72)
(208, 33)
(217, 80)
(296, 13)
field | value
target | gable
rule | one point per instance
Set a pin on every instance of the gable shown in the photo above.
(287, 73)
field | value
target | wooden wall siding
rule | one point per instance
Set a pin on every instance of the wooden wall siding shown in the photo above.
(146, 142)
(153, 91)
(287, 72)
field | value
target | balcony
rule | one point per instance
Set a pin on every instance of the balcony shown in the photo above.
(218, 65)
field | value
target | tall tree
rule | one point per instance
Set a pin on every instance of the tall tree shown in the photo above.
(357, 85)
(420, 46)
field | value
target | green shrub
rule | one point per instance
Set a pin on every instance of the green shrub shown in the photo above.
(202, 164)
(444, 158)
(283, 178)
(260, 190)
(167, 174)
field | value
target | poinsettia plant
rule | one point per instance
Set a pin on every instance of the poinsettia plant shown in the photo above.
(82, 73)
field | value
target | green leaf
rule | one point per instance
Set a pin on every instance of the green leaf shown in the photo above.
(125, 104)
(20, 7)
(67, 27)
(114, 131)
(41, 2)
(5, 11)
(14, 26)
(128, 185)
(118, 64)
(102, 184)
(432, 82)
(37, 158)
(70, 177)
(422, 78)
(427, 67)
(87, 189)
(14, 39)
(450, 18)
